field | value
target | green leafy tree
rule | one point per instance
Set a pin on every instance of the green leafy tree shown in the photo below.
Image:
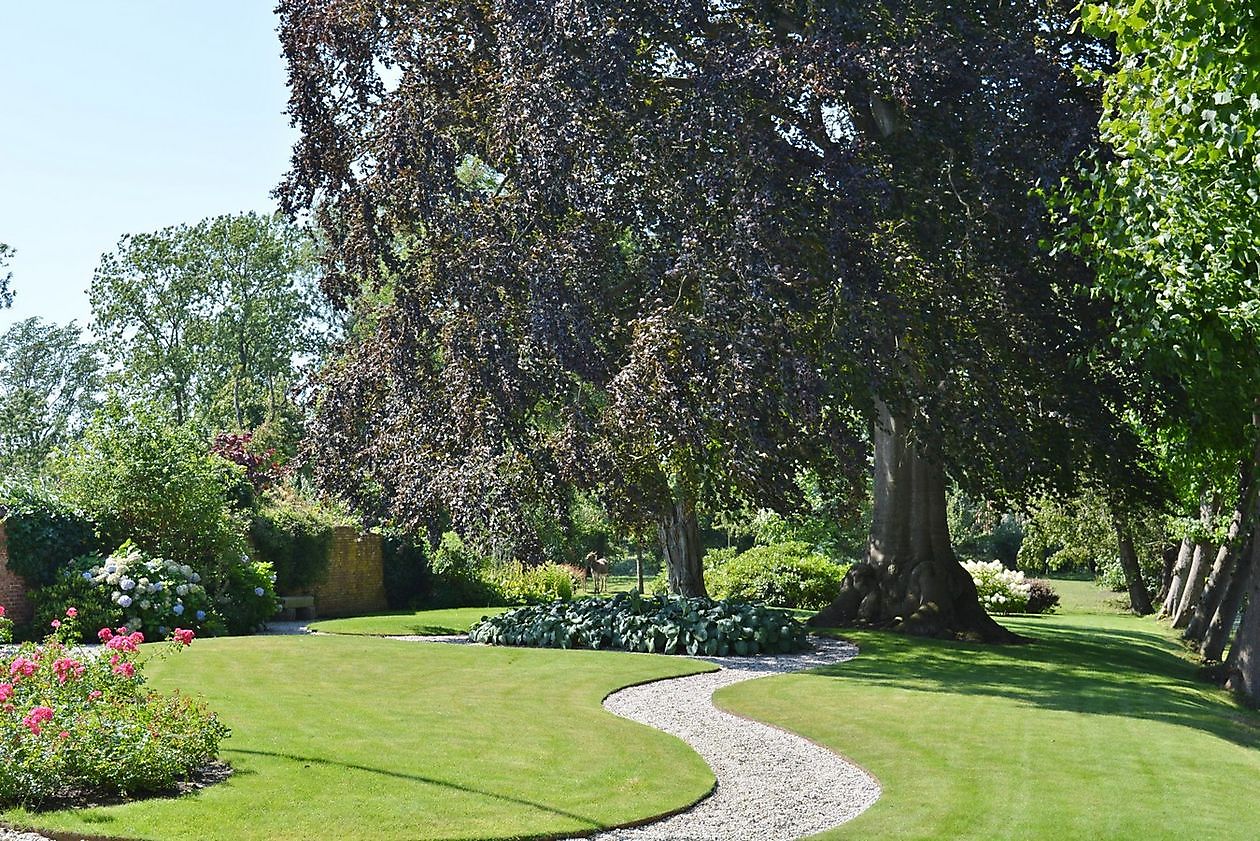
(49, 383)
(1168, 216)
(214, 317)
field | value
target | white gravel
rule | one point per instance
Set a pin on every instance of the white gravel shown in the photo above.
(771, 784)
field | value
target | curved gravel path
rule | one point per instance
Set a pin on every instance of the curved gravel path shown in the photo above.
(771, 784)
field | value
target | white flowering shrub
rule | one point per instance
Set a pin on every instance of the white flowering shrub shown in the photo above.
(1001, 590)
(152, 594)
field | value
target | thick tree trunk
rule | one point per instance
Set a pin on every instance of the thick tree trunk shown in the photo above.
(680, 544)
(1178, 581)
(1226, 556)
(911, 580)
(1139, 598)
(1243, 668)
(1222, 623)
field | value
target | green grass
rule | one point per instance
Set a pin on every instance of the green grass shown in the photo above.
(1097, 729)
(352, 738)
(455, 620)
(1082, 595)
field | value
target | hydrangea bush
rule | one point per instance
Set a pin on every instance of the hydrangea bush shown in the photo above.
(1001, 590)
(75, 724)
(153, 594)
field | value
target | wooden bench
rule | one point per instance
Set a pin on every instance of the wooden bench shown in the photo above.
(297, 607)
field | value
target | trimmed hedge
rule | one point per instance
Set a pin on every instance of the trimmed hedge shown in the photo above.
(655, 624)
(44, 534)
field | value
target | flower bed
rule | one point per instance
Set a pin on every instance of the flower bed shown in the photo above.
(657, 624)
(78, 725)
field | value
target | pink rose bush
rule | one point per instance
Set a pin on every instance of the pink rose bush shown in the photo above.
(74, 720)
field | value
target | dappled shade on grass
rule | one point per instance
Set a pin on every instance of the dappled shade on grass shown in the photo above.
(1089, 731)
(349, 738)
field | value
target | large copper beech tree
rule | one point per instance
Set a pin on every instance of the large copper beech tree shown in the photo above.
(678, 251)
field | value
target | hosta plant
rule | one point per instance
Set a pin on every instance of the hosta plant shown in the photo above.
(654, 624)
(77, 725)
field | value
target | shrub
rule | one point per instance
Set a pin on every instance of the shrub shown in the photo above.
(519, 584)
(145, 479)
(1041, 597)
(6, 628)
(44, 533)
(76, 726)
(96, 610)
(406, 570)
(295, 536)
(248, 599)
(659, 624)
(458, 576)
(1001, 590)
(152, 595)
(788, 574)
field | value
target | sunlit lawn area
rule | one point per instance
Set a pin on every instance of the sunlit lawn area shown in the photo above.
(1090, 731)
(1096, 730)
(455, 620)
(351, 738)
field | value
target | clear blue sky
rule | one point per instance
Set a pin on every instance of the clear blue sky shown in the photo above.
(125, 116)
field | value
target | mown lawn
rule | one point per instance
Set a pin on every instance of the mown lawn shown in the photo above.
(353, 738)
(1095, 730)
(455, 620)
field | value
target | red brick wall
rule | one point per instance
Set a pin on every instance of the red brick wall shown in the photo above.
(355, 582)
(12, 588)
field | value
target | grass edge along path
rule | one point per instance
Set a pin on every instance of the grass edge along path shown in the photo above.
(353, 738)
(442, 621)
(1097, 729)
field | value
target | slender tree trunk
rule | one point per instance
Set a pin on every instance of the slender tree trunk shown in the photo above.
(1226, 556)
(680, 543)
(1243, 667)
(1222, 624)
(638, 565)
(1139, 598)
(1178, 581)
(1197, 575)
(1171, 555)
(911, 580)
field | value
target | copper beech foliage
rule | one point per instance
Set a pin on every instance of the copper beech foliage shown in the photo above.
(672, 251)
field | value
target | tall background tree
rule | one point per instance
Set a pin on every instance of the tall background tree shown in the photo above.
(50, 380)
(1168, 215)
(6, 293)
(215, 317)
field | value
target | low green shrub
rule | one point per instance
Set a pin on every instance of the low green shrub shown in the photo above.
(6, 628)
(789, 574)
(76, 726)
(459, 577)
(519, 584)
(248, 600)
(654, 624)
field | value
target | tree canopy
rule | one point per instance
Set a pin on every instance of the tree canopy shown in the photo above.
(50, 380)
(213, 317)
